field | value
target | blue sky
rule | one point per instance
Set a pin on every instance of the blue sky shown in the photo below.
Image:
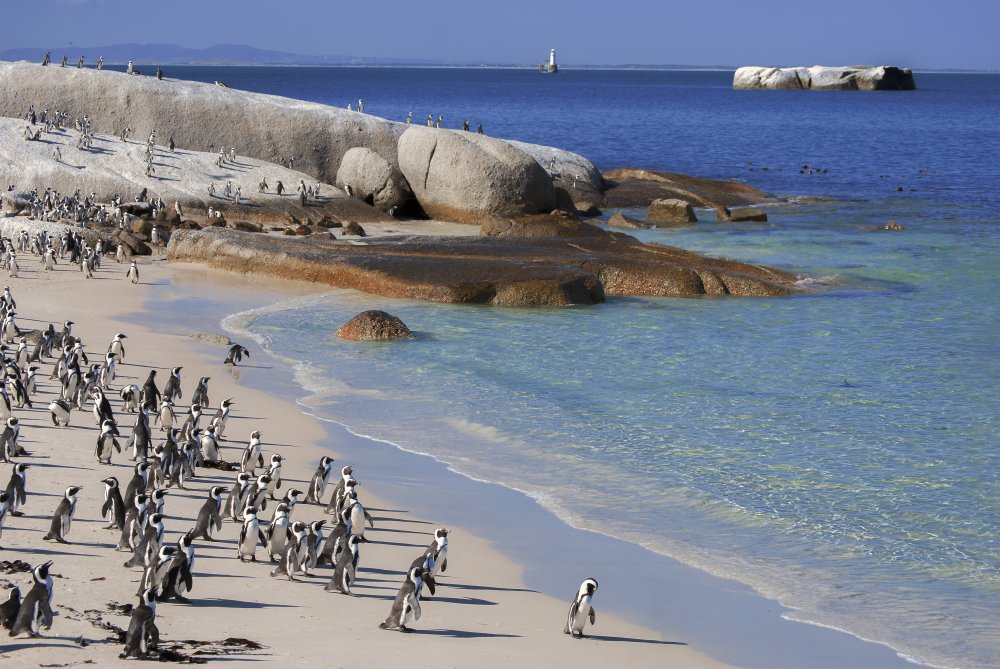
(914, 33)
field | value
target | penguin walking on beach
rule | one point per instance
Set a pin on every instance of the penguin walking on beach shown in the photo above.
(135, 522)
(345, 570)
(406, 606)
(278, 532)
(178, 578)
(256, 495)
(221, 416)
(102, 407)
(106, 442)
(62, 519)
(138, 483)
(149, 542)
(236, 354)
(425, 562)
(237, 495)
(140, 440)
(317, 484)
(9, 448)
(581, 609)
(274, 474)
(155, 565)
(201, 392)
(17, 494)
(209, 445)
(130, 397)
(166, 416)
(150, 393)
(190, 425)
(210, 515)
(314, 544)
(35, 611)
(250, 536)
(172, 389)
(142, 635)
(9, 609)
(113, 510)
(296, 552)
(359, 516)
(337, 498)
(252, 457)
(117, 348)
(133, 273)
(438, 550)
(337, 541)
(60, 411)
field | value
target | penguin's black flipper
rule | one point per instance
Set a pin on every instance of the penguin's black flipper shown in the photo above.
(262, 537)
(431, 585)
(444, 565)
(106, 507)
(368, 517)
(593, 615)
(189, 581)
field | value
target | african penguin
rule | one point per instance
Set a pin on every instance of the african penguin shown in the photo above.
(36, 607)
(62, 519)
(581, 609)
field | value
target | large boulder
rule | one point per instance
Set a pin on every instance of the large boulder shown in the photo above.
(575, 178)
(373, 179)
(464, 177)
(374, 325)
(670, 212)
(819, 77)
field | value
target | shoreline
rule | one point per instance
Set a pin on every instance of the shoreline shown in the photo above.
(758, 631)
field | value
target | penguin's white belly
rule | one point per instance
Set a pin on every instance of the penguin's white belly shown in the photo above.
(582, 613)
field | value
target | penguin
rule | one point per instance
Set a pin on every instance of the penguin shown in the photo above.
(36, 607)
(209, 445)
(150, 393)
(256, 495)
(581, 609)
(250, 536)
(338, 491)
(133, 273)
(135, 520)
(252, 457)
(157, 498)
(296, 552)
(113, 509)
(345, 570)
(192, 420)
(17, 487)
(138, 482)
(317, 484)
(209, 515)
(142, 635)
(314, 540)
(359, 516)
(9, 447)
(236, 354)
(117, 348)
(291, 498)
(102, 407)
(406, 606)
(274, 473)
(155, 565)
(236, 496)
(425, 562)
(439, 551)
(178, 578)
(9, 609)
(221, 416)
(106, 441)
(337, 541)
(149, 543)
(172, 391)
(60, 410)
(278, 532)
(62, 519)
(130, 397)
(201, 392)
(166, 416)
(140, 440)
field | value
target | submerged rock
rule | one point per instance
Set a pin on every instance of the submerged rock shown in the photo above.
(374, 325)
(724, 215)
(631, 187)
(620, 220)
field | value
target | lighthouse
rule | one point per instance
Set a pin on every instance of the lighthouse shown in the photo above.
(549, 67)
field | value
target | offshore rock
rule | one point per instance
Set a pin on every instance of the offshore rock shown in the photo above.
(818, 77)
(620, 220)
(631, 187)
(752, 215)
(670, 212)
(499, 270)
(374, 325)
(463, 177)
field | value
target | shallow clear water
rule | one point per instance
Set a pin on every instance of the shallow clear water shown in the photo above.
(836, 450)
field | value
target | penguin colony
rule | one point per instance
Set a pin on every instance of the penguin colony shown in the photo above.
(169, 450)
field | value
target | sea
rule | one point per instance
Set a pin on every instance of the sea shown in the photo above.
(837, 450)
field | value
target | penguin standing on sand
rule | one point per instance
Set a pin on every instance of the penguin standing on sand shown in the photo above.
(178, 578)
(60, 411)
(135, 522)
(172, 391)
(337, 498)
(117, 348)
(133, 273)
(150, 393)
(138, 482)
(425, 562)
(209, 516)
(166, 416)
(278, 532)
(406, 606)
(250, 536)
(221, 416)
(102, 407)
(317, 485)
(581, 609)
(359, 516)
(36, 608)
(438, 550)
(337, 541)
(236, 354)
(252, 457)
(190, 425)
(236, 496)
(17, 488)
(9, 609)
(201, 392)
(113, 510)
(274, 473)
(209, 445)
(142, 635)
(62, 519)
(9, 447)
(149, 543)
(141, 439)
(345, 570)
(106, 442)
(296, 552)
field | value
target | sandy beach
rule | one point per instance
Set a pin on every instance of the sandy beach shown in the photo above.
(482, 615)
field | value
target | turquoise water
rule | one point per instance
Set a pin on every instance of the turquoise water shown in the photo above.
(837, 450)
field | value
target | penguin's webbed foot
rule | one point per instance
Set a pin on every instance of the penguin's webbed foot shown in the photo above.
(404, 628)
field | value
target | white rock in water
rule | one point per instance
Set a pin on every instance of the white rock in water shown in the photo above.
(820, 77)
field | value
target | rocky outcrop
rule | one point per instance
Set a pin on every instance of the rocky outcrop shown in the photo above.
(499, 270)
(538, 227)
(575, 178)
(372, 178)
(620, 220)
(667, 213)
(464, 177)
(854, 78)
(631, 187)
(374, 325)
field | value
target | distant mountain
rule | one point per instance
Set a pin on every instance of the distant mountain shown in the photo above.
(170, 54)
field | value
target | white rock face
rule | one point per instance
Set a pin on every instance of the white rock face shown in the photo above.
(462, 176)
(821, 77)
(565, 168)
(371, 176)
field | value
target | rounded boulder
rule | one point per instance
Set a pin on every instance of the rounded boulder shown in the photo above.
(373, 179)
(374, 325)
